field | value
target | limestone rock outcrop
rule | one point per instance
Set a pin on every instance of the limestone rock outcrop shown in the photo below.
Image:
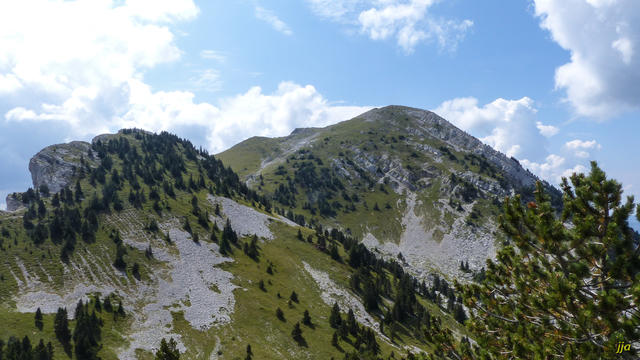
(56, 165)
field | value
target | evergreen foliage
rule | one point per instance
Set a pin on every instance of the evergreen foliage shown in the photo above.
(566, 286)
(168, 350)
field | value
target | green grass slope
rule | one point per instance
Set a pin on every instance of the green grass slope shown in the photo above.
(108, 233)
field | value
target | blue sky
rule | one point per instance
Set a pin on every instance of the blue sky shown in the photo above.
(555, 83)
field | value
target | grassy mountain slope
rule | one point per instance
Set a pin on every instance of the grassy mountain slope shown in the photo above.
(167, 232)
(403, 180)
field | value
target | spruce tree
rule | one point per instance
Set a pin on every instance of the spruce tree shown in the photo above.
(296, 333)
(334, 318)
(61, 329)
(306, 318)
(168, 350)
(38, 319)
(565, 285)
(294, 297)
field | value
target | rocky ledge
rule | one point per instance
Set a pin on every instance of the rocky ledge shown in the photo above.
(56, 165)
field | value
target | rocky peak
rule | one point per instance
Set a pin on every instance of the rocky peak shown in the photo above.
(429, 124)
(56, 165)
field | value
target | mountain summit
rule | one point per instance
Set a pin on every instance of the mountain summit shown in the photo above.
(405, 181)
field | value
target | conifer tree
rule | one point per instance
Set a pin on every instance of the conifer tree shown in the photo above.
(306, 318)
(168, 350)
(296, 333)
(38, 319)
(334, 318)
(352, 324)
(565, 286)
(61, 328)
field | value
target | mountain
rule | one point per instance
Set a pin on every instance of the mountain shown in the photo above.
(405, 181)
(136, 238)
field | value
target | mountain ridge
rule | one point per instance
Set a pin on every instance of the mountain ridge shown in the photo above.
(364, 152)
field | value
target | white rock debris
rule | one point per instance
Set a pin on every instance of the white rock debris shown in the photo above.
(332, 293)
(245, 220)
(423, 253)
(190, 282)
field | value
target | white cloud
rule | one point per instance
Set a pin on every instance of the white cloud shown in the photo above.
(74, 61)
(207, 80)
(86, 73)
(583, 144)
(602, 78)
(213, 55)
(97, 43)
(277, 114)
(553, 168)
(236, 118)
(579, 147)
(336, 10)
(511, 126)
(547, 130)
(409, 22)
(272, 19)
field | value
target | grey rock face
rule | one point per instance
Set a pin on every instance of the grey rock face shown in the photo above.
(56, 165)
(429, 124)
(13, 204)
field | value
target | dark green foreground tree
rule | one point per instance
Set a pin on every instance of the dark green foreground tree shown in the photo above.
(168, 350)
(566, 286)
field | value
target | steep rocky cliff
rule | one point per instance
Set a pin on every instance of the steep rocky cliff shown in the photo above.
(56, 165)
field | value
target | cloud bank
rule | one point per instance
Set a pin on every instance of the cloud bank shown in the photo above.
(408, 22)
(602, 79)
(86, 71)
(512, 127)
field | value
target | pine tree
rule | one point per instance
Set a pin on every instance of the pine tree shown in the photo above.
(306, 318)
(296, 333)
(229, 234)
(294, 297)
(352, 324)
(61, 328)
(225, 247)
(38, 319)
(280, 314)
(565, 285)
(249, 353)
(334, 318)
(168, 350)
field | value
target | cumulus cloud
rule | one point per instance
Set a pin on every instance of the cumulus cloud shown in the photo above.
(408, 22)
(547, 130)
(97, 43)
(511, 126)
(602, 78)
(580, 147)
(277, 114)
(272, 19)
(85, 74)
